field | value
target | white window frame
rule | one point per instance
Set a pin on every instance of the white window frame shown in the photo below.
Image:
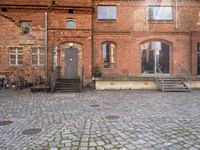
(155, 16)
(107, 13)
(16, 56)
(38, 54)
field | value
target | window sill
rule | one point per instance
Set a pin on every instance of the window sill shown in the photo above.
(37, 65)
(106, 21)
(160, 22)
(71, 29)
(15, 65)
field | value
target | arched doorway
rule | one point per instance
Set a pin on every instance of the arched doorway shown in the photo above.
(70, 60)
(155, 57)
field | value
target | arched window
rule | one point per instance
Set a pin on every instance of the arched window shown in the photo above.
(71, 24)
(155, 57)
(108, 53)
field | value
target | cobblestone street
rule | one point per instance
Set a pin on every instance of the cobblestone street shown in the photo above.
(96, 120)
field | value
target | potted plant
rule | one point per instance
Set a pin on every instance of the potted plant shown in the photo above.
(40, 88)
(97, 71)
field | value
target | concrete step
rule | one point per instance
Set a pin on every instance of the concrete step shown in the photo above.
(68, 81)
(176, 90)
(67, 85)
(68, 90)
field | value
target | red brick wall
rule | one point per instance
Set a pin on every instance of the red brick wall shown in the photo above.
(132, 28)
(48, 2)
(58, 35)
(82, 35)
(10, 37)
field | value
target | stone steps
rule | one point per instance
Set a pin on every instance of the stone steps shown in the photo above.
(67, 85)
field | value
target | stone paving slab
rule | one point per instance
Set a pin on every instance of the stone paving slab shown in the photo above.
(123, 120)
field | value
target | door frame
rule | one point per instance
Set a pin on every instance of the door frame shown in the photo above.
(65, 65)
(155, 71)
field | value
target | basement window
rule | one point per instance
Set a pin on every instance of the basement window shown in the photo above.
(37, 56)
(25, 27)
(15, 56)
(160, 13)
(107, 13)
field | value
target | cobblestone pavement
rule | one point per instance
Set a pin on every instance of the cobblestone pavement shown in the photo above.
(97, 120)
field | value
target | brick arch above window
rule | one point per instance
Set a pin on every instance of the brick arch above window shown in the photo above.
(157, 39)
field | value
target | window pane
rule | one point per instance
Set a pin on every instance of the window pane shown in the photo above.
(102, 12)
(20, 50)
(13, 62)
(41, 50)
(155, 54)
(71, 25)
(20, 57)
(160, 13)
(112, 52)
(42, 59)
(12, 56)
(34, 50)
(112, 12)
(108, 53)
(34, 59)
(107, 12)
(12, 50)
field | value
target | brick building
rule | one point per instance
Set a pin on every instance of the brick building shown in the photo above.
(131, 40)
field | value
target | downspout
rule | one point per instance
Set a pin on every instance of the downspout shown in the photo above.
(176, 14)
(93, 53)
(191, 42)
(46, 46)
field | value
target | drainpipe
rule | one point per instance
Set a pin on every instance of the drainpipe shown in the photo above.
(93, 53)
(46, 46)
(191, 42)
(176, 14)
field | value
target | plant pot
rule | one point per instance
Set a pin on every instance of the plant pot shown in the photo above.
(97, 74)
(35, 89)
(47, 90)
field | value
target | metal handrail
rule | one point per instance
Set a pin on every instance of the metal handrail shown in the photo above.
(160, 76)
(185, 74)
(81, 78)
(53, 79)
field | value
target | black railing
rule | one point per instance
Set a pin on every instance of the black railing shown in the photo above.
(81, 78)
